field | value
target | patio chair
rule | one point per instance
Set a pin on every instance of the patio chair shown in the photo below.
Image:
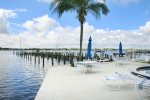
(116, 80)
(87, 65)
(142, 88)
(121, 60)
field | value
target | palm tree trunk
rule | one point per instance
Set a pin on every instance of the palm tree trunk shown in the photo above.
(81, 39)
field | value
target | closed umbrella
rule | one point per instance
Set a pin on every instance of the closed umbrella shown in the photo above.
(89, 55)
(120, 49)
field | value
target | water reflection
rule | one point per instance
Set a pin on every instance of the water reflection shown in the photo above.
(20, 78)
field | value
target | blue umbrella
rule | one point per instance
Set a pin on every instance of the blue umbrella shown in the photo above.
(120, 49)
(89, 55)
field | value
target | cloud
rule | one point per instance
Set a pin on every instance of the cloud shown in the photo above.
(4, 23)
(5, 15)
(46, 1)
(120, 2)
(40, 24)
(124, 2)
(20, 10)
(45, 32)
(101, 1)
(116, 1)
(145, 28)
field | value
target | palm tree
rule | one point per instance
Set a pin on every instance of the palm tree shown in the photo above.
(82, 8)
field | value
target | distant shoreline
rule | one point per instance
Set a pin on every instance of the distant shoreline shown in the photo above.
(73, 49)
(131, 49)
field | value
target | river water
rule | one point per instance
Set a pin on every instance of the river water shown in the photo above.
(20, 79)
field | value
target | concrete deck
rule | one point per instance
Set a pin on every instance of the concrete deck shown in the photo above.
(70, 83)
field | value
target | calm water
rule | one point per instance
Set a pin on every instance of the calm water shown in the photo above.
(20, 79)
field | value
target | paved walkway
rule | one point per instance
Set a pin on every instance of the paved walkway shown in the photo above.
(69, 83)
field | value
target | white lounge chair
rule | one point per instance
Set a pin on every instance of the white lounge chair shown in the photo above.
(142, 88)
(116, 80)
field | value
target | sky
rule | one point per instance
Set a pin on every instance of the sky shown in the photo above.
(33, 23)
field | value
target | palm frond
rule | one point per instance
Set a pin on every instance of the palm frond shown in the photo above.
(97, 8)
(61, 6)
(82, 7)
